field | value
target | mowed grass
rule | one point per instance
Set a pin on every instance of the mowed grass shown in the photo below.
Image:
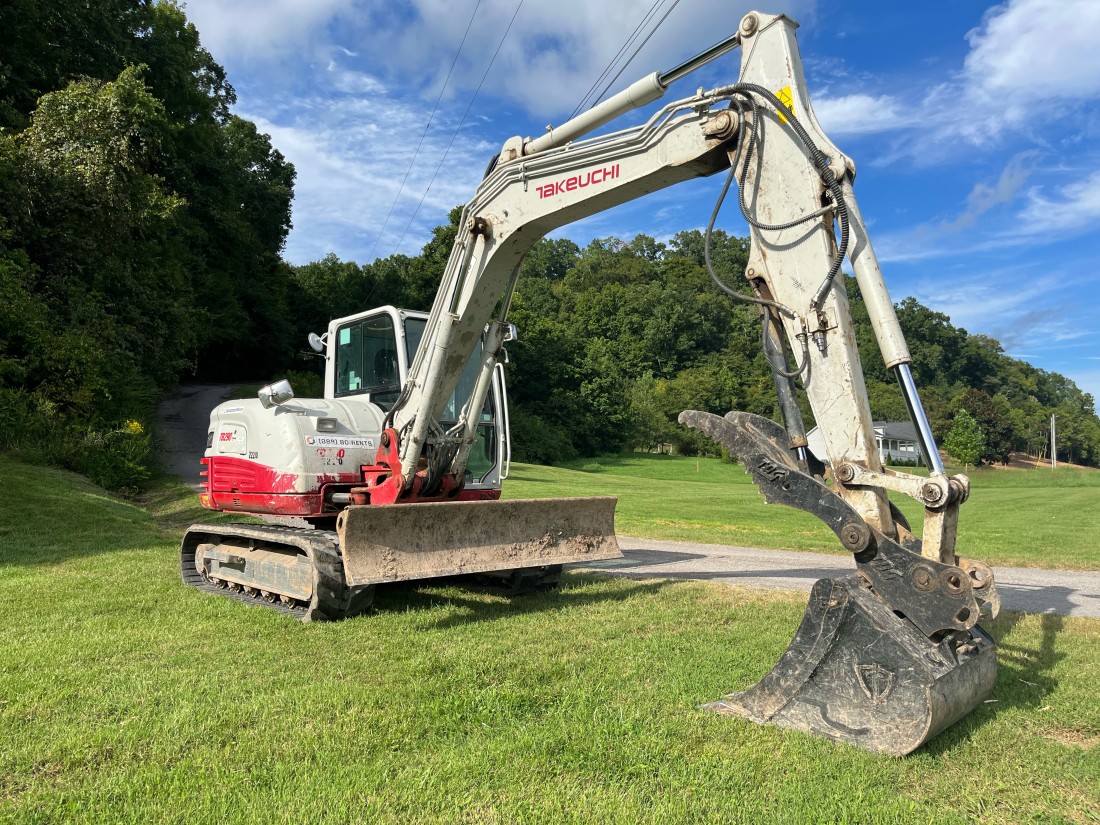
(126, 697)
(1014, 518)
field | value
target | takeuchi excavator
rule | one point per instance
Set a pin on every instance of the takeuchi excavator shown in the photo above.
(399, 466)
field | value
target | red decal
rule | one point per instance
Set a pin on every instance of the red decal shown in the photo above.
(225, 437)
(575, 182)
(247, 486)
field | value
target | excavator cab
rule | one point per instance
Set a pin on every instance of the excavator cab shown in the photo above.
(370, 362)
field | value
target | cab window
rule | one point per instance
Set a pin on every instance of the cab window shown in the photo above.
(366, 359)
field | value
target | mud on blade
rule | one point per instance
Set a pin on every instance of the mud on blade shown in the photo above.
(388, 543)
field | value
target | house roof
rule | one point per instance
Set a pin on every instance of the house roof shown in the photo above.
(900, 430)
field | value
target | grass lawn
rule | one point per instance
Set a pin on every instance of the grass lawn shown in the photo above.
(126, 697)
(1017, 518)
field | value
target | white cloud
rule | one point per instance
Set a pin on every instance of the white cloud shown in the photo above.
(1035, 318)
(1030, 64)
(984, 197)
(974, 301)
(552, 56)
(1037, 217)
(351, 155)
(553, 53)
(861, 114)
(261, 29)
(1036, 48)
(347, 87)
(1075, 207)
(1039, 319)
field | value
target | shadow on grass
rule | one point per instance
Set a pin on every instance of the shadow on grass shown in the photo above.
(96, 523)
(1024, 679)
(52, 516)
(413, 596)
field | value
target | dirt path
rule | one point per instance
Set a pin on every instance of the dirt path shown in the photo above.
(182, 420)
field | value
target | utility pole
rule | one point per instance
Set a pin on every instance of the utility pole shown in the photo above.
(1053, 446)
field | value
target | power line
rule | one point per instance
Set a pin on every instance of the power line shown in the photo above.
(641, 46)
(424, 134)
(615, 59)
(459, 127)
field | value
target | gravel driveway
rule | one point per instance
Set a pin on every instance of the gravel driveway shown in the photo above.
(1029, 590)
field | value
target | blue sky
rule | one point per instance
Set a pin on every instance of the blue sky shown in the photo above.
(975, 127)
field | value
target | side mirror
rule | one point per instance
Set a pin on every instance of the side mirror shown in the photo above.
(274, 394)
(317, 341)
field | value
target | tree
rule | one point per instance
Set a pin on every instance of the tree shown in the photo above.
(97, 224)
(550, 258)
(994, 417)
(141, 224)
(651, 425)
(965, 442)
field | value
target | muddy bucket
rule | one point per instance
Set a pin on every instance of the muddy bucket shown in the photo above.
(857, 673)
(402, 542)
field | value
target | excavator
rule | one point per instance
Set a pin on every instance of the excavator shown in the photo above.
(398, 468)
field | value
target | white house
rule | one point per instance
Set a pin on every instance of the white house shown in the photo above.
(896, 441)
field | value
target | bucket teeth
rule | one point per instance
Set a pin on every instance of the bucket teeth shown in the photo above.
(857, 673)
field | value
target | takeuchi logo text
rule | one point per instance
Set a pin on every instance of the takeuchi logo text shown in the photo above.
(592, 178)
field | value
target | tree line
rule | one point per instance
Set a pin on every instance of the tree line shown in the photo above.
(142, 226)
(617, 337)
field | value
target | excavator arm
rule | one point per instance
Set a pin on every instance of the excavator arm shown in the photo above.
(524, 197)
(886, 657)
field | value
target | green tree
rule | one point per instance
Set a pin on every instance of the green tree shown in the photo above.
(97, 223)
(651, 425)
(965, 442)
(994, 417)
(141, 224)
(550, 258)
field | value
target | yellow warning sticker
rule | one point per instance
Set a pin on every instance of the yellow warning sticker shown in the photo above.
(787, 100)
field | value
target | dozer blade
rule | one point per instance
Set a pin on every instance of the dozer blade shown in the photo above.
(402, 542)
(857, 673)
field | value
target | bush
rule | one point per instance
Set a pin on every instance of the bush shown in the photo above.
(306, 384)
(903, 462)
(686, 441)
(117, 458)
(538, 441)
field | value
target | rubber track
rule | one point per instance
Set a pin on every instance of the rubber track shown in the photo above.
(332, 599)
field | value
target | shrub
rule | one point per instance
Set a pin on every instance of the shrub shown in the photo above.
(538, 441)
(117, 458)
(306, 384)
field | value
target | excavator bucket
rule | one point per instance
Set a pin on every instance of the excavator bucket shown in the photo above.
(401, 542)
(857, 673)
(885, 658)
